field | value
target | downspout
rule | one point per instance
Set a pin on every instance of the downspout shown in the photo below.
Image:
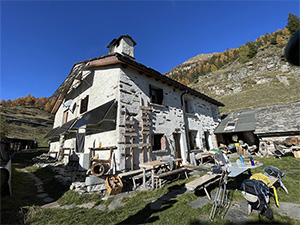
(184, 123)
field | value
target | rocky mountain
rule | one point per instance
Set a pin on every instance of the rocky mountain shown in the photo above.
(190, 63)
(265, 80)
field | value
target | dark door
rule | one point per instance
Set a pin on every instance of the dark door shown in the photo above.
(177, 145)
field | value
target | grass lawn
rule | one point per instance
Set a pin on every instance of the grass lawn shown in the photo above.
(140, 207)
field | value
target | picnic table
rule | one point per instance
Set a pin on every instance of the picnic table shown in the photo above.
(153, 165)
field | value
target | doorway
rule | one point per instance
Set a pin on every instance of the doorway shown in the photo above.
(176, 137)
(205, 140)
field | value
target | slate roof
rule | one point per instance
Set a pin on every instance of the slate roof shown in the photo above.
(278, 119)
(281, 118)
(240, 121)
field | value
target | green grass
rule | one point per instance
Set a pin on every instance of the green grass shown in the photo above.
(24, 158)
(51, 185)
(261, 95)
(71, 197)
(24, 191)
(138, 207)
(23, 194)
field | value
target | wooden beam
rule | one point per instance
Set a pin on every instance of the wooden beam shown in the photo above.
(141, 145)
(130, 134)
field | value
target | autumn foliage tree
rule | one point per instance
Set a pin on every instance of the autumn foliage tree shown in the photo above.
(31, 101)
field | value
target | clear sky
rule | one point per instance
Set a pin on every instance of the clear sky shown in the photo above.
(42, 40)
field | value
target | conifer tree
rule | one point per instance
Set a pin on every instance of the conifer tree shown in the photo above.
(252, 49)
(243, 53)
(293, 23)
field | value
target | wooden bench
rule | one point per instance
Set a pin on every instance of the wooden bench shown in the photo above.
(203, 181)
(133, 174)
(162, 175)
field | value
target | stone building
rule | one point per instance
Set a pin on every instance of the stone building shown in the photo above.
(114, 102)
(267, 124)
(278, 122)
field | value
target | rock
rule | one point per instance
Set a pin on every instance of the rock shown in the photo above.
(88, 205)
(115, 204)
(264, 80)
(237, 216)
(283, 79)
(68, 206)
(284, 68)
(98, 187)
(92, 180)
(52, 205)
(199, 203)
(249, 64)
(289, 209)
(43, 195)
(269, 66)
(100, 207)
(48, 199)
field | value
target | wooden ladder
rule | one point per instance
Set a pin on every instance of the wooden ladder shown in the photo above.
(129, 133)
(145, 127)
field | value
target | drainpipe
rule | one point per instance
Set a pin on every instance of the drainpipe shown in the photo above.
(184, 123)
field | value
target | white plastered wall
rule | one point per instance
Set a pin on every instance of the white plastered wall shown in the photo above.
(128, 86)
(102, 86)
(166, 119)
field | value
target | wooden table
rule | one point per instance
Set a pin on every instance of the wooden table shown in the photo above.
(205, 155)
(234, 169)
(152, 165)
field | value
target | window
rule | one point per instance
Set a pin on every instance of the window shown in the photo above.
(84, 104)
(157, 142)
(156, 95)
(65, 119)
(188, 106)
(230, 126)
(74, 107)
(192, 139)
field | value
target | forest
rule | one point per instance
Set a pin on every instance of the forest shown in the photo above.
(43, 103)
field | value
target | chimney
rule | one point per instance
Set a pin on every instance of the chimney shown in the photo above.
(123, 45)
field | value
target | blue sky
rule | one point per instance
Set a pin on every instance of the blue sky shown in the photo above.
(41, 40)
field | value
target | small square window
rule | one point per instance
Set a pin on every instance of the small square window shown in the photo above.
(84, 104)
(188, 106)
(156, 95)
(65, 119)
(157, 142)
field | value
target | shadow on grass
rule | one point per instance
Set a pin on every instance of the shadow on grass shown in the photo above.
(24, 158)
(24, 190)
(162, 203)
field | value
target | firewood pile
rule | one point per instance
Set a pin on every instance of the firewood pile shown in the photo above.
(288, 146)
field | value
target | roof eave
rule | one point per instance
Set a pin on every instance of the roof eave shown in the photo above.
(117, 58)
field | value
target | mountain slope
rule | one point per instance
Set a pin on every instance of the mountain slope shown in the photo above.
(27, 122)
(267, 79)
